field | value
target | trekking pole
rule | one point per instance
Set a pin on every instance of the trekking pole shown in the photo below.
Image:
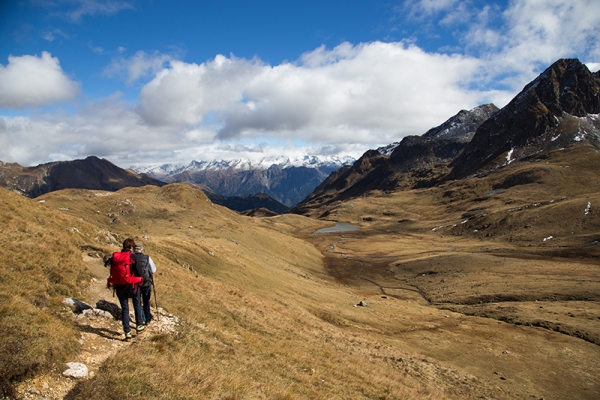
(155, 301)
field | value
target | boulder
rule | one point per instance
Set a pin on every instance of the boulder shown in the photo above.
(112, 308)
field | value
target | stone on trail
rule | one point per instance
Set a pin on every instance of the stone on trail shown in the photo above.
(76, 370)
(79, 306)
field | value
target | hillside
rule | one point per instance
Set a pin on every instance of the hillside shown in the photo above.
(90, 173)
(268, 310)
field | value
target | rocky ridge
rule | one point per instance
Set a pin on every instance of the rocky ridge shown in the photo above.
(556, 109)
(414, 162)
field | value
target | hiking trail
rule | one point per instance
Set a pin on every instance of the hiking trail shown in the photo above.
(101, 336)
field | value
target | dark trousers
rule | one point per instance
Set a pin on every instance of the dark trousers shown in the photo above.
(124, 292)
(146, 298)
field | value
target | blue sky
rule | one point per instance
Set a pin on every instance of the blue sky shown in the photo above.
(152, 82)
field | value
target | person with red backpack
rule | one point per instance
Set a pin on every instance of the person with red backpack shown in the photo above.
(124, 281)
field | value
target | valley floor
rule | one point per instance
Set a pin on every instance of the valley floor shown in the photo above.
(526, 324)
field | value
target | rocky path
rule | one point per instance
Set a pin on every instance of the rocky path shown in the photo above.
(101, 336)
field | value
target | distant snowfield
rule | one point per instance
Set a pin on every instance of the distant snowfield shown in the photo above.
(244, 164)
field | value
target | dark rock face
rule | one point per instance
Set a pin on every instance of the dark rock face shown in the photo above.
(91, 173)
(532, 119)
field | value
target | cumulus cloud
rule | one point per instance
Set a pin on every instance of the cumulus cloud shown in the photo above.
(360, 92)
(34, 81)
(341, 100)
(552, 27)
(108, 128)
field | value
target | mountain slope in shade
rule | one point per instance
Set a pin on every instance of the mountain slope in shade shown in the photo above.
(414, 162)
(558, 108)
(248, 203)
(90, 173)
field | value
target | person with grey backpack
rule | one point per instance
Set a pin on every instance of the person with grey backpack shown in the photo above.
(145, 268)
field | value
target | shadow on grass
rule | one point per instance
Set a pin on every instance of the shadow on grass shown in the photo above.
(103, 332)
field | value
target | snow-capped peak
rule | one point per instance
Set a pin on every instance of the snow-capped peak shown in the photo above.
(244, 164)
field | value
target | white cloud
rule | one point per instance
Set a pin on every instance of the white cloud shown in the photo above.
(553, 27)
(361, 93)
(106, 129)
(343, 100)
(95, 7)
(95, 49)
(421, 9)
(50, 35)
(138, 66)
(593, 66)
(34, 81)
(531, 34)
(187, 94)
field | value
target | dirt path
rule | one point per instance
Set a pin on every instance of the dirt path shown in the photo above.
(101, 336)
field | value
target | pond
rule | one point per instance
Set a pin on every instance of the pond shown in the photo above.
(340, 227)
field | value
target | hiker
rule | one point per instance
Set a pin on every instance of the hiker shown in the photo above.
(126, 283)
(145, 268)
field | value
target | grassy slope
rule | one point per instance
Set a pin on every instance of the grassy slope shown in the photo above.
(261, 314)
(40, 265)
(267, 314)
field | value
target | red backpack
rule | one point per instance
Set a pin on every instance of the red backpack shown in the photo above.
(120, 270)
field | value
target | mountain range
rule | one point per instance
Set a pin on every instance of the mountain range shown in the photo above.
(287, 180)
(275, 184)
(559, 108)
(556, 110)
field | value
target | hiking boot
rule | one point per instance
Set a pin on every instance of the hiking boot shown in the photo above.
(140, 329)
(128, 337)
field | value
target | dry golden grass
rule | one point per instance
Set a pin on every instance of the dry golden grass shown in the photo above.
(41, 264)
(251, 295)
(269, 311)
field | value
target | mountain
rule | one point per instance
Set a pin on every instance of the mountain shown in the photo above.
(90, 173)
(100, 174)
(557, 110)
(286, 180)
(416, 161)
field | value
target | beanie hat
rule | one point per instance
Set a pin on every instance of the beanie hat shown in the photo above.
(137, 248)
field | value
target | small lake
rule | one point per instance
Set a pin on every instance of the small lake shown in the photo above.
(341, 227)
